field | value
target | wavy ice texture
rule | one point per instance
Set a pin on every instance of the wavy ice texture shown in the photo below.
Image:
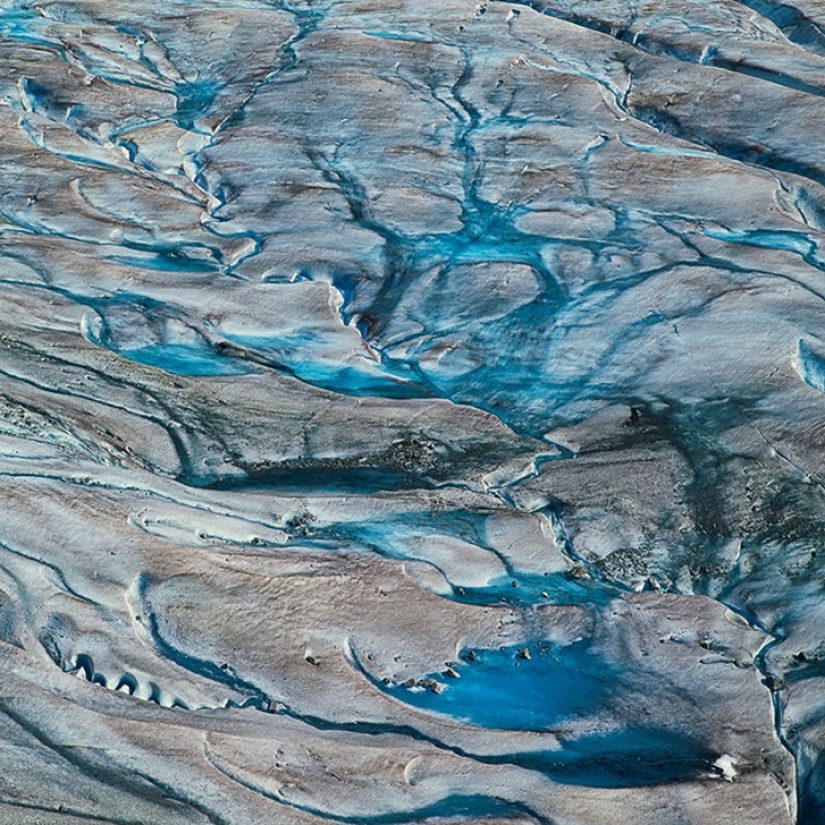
(412, 411)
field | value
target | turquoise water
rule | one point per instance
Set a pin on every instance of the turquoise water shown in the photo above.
(185, 359)
(534, 686)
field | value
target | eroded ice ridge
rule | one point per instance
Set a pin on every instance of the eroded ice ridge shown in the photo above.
(412, 412)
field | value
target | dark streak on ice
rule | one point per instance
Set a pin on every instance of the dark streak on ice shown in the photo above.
(92, 764)
(450, 806)
(792, 23)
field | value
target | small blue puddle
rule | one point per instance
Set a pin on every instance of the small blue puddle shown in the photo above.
(522, 590)
(21, 25)
(194, 100)
(185, 359)
(796, 242)
(810, 366)
(352, 381)
(167, 261)
(315, 358)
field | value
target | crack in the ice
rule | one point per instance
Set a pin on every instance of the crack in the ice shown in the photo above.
(792, 22)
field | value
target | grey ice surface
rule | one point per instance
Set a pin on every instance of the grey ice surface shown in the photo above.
(412, 412)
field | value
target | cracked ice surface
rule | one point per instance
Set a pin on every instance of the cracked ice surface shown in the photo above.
(412, 412)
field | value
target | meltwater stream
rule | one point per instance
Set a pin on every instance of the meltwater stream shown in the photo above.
(412, 412)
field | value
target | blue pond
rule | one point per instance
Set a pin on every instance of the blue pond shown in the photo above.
(546, 687)
(531, 687)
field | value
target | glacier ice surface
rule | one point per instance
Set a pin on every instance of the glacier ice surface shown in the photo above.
(412, 411)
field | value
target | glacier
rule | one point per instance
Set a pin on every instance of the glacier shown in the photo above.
(412, 412)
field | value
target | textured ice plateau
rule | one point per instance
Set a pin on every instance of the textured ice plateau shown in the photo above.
(412, 412)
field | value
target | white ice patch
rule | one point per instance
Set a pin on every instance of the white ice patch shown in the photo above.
(726, 767)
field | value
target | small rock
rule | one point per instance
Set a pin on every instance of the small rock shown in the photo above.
(773, 682)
